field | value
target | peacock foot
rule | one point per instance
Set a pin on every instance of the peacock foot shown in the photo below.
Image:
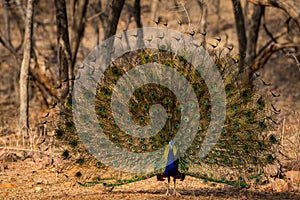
(167, 193)
(175, 193)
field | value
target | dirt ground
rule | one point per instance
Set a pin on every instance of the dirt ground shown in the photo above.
(30, 169)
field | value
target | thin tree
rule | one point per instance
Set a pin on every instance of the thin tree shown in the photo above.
(79, 10)
(242, 39)
(137, 13)
(23, 122)
(64, 52)
(113, 10)
(203, 21)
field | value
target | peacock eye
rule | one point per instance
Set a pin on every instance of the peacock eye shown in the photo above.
(80, 161)
(163, 48)
(261, 103)
(78, 174)
(134, 149)
(146, 107)
(235, 107)
(235, 138)
(246, 95)
(66, 154)
(142, 119)
(262, 125)
(272, 139)
(255, 160)
(59, 134)
(169, 116)
(199, 73)
(227, 89)
(249, 115)
(74, 143)
(167, 101)
(249, 133)
(133, 105)
(270, 158)
(140, 91)
(98, 164)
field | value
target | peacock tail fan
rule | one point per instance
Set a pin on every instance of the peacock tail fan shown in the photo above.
(236, 156)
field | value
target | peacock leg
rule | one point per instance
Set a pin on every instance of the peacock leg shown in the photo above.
(168, 188)
(175, 192)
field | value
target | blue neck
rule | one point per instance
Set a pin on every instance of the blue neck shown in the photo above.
(172, 166)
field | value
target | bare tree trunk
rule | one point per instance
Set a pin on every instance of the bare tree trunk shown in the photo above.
(114, 11)
(246, 13)
(64, 52)
(217, 28)
(96, 6)
(154, 6)
(203, 22)
(137, 13)
(21, 9)
(253, 32)
(6, 21)
(242, 39)
(23, 123)
(79, 9)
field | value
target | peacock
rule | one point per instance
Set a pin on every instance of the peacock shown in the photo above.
(153, 102)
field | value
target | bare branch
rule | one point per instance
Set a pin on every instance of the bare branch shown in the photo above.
(203, 22)
(23, 124)
(186, 13)
(261, 60)
(154, 7)
(78, 27)
(242, 39)
(288, 6)
(7, 46)
(6, 22)
(295, 58)
(253, 32)
(21, 9)
(114, 9)
(137, 13)
(64, 51)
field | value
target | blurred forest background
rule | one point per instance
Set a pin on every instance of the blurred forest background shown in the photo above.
(42, 43)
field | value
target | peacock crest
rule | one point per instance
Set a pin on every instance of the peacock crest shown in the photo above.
(159, 90)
